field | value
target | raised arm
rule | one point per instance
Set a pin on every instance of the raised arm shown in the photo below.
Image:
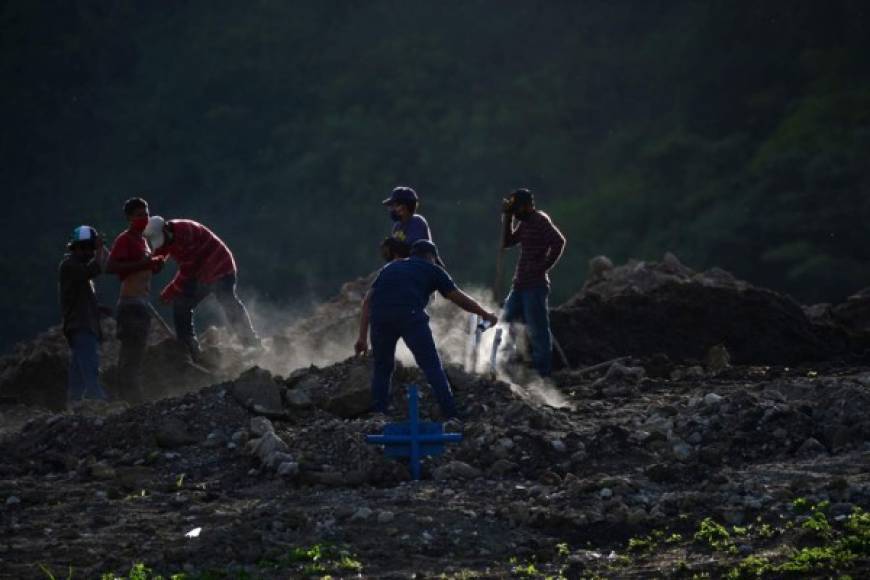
(556, 246)
(509, 236)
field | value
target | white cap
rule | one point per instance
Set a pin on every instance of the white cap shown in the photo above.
(154, 231)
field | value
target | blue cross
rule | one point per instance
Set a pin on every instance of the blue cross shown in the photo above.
(414, 439)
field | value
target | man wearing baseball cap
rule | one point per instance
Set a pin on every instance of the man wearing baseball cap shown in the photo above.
(131, 260)
(408, 225)
(541, 245)
(395, 307)
(81, 313)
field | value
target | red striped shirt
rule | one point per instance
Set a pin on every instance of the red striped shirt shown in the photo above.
(200, 255)
(541, 245)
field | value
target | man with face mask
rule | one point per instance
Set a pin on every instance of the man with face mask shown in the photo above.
(81, 313)
(541, 245)
(408, 225)
(205, 266)
(131, 260)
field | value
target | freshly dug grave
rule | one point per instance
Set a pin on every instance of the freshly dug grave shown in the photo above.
(645, 308)
(563, 490)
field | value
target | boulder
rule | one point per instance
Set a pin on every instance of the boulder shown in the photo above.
(256, 388)
(354, 395)
(260, 426)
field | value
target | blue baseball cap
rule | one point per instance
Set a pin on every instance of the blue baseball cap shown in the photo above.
(401, 194)
(83, 236)
(423, 247)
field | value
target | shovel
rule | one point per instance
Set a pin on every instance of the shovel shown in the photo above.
(171, 334)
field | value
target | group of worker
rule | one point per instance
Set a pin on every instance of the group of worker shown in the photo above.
(205, 266)
(395, 305)
(393, 308)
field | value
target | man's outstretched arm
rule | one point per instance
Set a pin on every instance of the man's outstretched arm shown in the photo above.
(469, 304)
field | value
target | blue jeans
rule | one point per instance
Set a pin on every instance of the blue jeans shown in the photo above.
(412, 327)
(530, 307)
(84, 367)
(224, 290)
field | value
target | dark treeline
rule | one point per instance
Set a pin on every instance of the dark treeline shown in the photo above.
(735, 134)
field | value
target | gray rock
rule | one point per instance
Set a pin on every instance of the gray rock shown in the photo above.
(717, 359)
(810, 447)
(385, 517)
(456, 470)
(502, 467)
(354, 396)
(12, 500)
(288, 469)
(361, 515)
(259, 427)
(681, 450)
(712, 399)
(173, 433)
(298, 399)
(558, 445)
(266, 446)
(257, 388)
(215, 439)
(276, 459)
(605, 493)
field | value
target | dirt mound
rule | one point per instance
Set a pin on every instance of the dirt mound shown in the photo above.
(644, 308)
(36, 372)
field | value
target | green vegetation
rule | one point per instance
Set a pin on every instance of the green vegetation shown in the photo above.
(715, 535)
(321, 560)
(643, 126)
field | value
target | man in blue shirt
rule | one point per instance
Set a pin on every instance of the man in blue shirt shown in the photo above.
(395, 307)
(408, 225)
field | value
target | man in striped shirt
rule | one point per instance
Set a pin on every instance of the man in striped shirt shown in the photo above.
(541, 245)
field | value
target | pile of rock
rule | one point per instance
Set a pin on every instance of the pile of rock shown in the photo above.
(649, 308)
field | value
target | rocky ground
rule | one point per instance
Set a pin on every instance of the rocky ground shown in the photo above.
(688, 472)
(685, 458)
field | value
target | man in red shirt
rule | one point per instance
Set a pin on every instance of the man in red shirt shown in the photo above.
(205, 266)
(131, 260)
(541, 245)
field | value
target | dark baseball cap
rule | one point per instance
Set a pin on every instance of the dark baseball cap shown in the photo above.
(522, 197)
(423, 247)
(401, 194)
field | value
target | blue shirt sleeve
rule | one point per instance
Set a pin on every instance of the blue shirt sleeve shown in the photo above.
(417, 229)
(443, 282)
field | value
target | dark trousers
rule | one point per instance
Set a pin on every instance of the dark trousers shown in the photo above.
(84, 367)
(224, 290)
(412, 327)
(134, 324)
(530, 307)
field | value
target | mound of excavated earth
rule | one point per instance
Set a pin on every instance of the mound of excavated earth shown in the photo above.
(271, 477)
(647, 308)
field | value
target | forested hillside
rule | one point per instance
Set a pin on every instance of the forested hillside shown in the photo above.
(734, 134)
